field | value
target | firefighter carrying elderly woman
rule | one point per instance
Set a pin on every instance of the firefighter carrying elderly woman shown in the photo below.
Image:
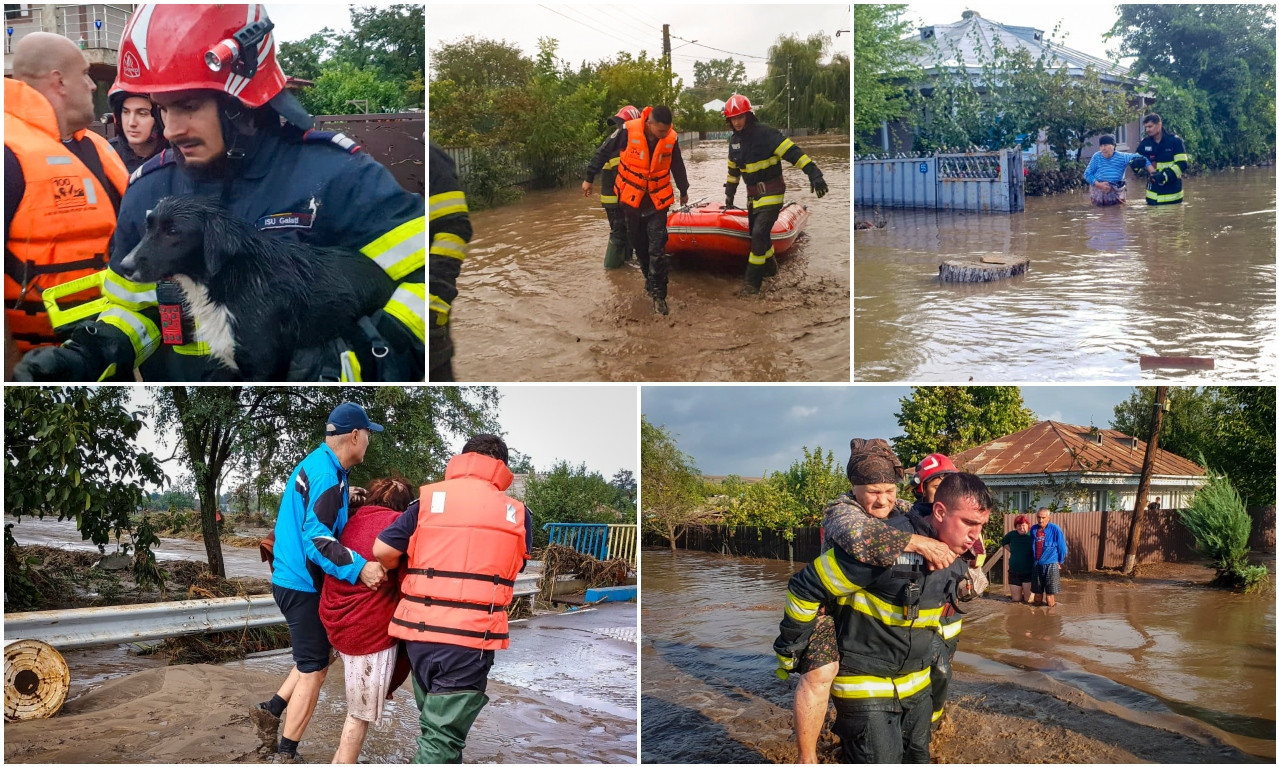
(78, 304)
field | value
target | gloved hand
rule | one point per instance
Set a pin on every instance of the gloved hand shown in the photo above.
(818, 184)
(728, 202)
(784, 667)
(1162, 177)
(1138, 164)
(69, 362)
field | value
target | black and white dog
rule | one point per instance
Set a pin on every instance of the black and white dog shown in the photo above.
(255, 298)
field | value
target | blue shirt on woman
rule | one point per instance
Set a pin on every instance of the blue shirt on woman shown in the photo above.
(1111, 170)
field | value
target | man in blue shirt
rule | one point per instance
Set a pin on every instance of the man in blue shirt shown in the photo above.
(1105, 173)
(1048, 543)
(312, 514)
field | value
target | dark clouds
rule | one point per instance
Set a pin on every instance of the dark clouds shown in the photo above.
(753, 430)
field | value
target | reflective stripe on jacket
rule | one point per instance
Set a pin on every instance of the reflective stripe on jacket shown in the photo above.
(1169, 154)
(640, 173)
(62, 227)
(463, 558)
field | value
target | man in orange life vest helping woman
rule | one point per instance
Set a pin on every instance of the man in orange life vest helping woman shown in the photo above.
(435, 588)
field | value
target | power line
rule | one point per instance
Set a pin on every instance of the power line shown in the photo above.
(721, 50)
(588, 26)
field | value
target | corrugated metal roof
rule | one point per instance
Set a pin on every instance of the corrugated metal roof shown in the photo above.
(964, 34)
(1049, 446)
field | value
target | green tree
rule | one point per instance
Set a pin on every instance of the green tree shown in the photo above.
(669, 485)
(1221, 55)
(1221, 527)
(813, 482)
(951, 419)
(1231, 427)
(481, 64)
(717, 78)
(386, 39)
(171, 499)
(570, 493)
(818, 95)
(337, 86)
(882, 61)
(271, 429)
(302, 58)
(72, 452)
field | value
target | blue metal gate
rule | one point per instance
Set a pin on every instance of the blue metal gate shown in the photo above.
(968, 181)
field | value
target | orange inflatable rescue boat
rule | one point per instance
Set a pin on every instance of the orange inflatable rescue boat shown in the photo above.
(707, 229)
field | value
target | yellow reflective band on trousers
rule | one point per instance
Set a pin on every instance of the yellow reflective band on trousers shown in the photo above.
(1150, 195)
(142, 332)
(350, 368)
(441, 308)
(783, 147)
(447, 204)
(450, 245)
(126, 293)
(759, 261)
(59, 316)
(408, 305)
(766, 200)
(800, 609)
(880, 686)
(401, 250)
(755, 167)
(950, 630)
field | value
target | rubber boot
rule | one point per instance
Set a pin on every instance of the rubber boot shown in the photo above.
(650, 285)
(754, 279)
(614, 256)
(770, 266)
(446, 720)
(659, 305)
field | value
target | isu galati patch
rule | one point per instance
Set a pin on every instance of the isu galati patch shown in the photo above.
(68, 192)
(285, 221)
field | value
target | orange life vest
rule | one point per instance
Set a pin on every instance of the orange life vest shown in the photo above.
(62, 228)
(640, 173)
(463, 558)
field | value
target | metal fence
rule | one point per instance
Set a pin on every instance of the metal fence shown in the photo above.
(958, 181)
(395, 140)
(89, 26)
(804, 545)
(601, 541)
(621, 543)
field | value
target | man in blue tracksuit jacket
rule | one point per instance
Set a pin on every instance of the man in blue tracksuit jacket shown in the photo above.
(312, 514)
(1048, 543)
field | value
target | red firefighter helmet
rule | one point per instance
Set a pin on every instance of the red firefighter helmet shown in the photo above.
(737, 105)
(228, 48)
(930, 466)
(628, 112)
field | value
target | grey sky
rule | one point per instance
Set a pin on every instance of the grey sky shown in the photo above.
(596, 425)
(298, 21)
(594, 32)
(1082, 24)
(754, 430)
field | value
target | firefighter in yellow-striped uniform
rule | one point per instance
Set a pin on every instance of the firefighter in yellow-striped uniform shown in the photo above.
(450, 227)
(888, 622)
(755, 152)
(1167, 153)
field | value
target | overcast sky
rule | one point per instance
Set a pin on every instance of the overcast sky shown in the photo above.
(594, 32)
(592, 424)
(1082, 24)
(753, 430)
(298, 21)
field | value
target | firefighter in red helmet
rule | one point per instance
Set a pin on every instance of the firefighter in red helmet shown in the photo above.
(604, 164)
(755, 152)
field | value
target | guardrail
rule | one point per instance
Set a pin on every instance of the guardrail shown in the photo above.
(92, 626)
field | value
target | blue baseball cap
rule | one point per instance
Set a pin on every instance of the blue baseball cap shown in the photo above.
(348, 417)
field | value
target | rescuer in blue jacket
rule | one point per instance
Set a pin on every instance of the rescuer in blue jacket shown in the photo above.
(236, 135)
(1167, 152)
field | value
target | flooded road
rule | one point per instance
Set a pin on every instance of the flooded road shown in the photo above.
(536, 304)
(563, 693)
(1117, 673)
(1105, 286)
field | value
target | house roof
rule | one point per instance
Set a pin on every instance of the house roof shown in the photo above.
(963, 36)
(1054, 447)
(714, 105)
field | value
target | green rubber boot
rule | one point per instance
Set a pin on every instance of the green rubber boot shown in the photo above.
(615, 256)
(446, 720)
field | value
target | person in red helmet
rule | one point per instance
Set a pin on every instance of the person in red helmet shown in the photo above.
(604, 164)
(755, 152)
(239, 137)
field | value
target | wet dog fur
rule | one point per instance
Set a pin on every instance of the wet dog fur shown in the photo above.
(256, 298)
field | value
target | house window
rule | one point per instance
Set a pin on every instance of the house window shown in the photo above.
(1121, 135)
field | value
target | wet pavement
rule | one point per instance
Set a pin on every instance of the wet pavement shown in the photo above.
(1187, 671)
(1105, 286)
(536, 304)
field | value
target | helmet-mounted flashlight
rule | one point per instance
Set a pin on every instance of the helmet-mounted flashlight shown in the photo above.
(239, 50)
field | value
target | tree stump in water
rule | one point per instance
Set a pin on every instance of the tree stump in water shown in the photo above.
(988, 269)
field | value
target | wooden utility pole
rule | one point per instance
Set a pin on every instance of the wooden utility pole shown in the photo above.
(666, 55)
(1147, 468)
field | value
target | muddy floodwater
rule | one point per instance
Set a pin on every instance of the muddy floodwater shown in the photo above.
(1117, 672)
(536, 304)
(1105, 286)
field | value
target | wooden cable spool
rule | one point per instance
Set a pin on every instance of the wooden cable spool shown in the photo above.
(36, 679)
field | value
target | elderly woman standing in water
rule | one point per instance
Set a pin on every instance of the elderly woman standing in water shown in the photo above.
(1105, 173)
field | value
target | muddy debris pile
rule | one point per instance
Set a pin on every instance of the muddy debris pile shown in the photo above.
(560, 560)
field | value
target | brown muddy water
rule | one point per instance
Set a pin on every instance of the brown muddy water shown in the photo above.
(1117, 672)
(1105, 286)
(536, 304)
(563, 693)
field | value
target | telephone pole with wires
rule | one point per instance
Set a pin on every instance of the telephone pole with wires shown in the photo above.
(789, 98)
(666, 55)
